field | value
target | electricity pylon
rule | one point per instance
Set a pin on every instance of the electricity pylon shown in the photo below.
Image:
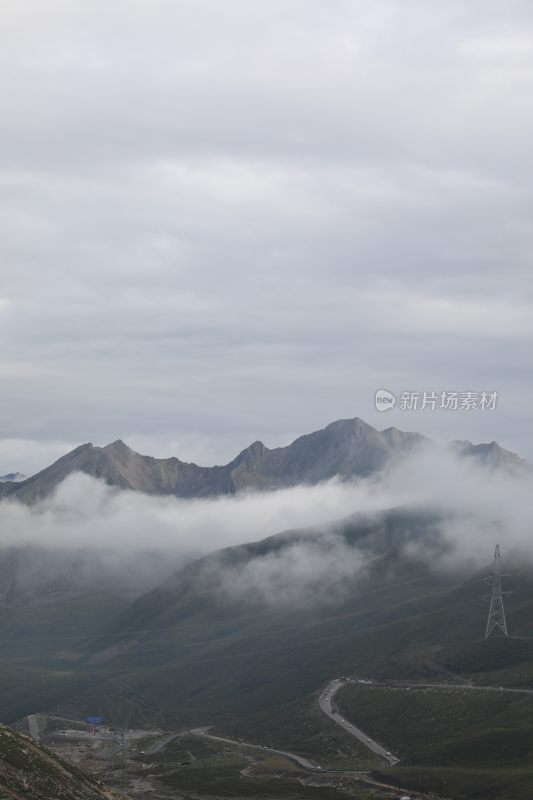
(496, 619)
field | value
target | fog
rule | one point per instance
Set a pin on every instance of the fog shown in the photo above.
(130, 533)
(88, 536)
(85, 512)
(304, 574)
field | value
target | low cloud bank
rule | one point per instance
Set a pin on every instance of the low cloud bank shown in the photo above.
(480, 507)
(85, 512)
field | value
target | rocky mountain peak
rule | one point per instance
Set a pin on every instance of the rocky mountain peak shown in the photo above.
(118, 447)
(252, 453)
(345, 449)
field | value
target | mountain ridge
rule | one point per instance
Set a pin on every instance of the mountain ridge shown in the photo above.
(344, 449)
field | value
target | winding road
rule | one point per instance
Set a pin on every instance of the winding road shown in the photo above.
(326, 705)
(303, 762)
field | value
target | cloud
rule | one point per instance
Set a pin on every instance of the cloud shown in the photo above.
(85, 512)
(481, 506)
(476, 507)
(304, 575)
(239, 224)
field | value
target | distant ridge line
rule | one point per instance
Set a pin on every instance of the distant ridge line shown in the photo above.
(344, 449)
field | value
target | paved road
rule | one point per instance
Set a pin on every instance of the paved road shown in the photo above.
(308, 765)
(157, 746)
(326, 704)
(469, 686)
(303, 762)
(34, 727)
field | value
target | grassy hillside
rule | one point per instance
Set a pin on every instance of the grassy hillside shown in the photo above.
(463, 742)
(190, 654)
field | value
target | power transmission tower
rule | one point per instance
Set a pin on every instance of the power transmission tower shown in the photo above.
(496, 619)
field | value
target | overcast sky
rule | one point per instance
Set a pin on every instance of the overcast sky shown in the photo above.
(229, 220)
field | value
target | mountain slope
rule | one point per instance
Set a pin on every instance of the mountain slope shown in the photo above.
(345, 449)
(211, 645)
(29, 772)
(240, 628)
(226, 645)
(210, 642)
(491, 455)
(375, 542)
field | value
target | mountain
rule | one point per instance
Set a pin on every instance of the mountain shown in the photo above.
(210, 646)
(376, 540)
(344, 449)
(250, 628)
(245, 638)
(33, 574)
(238, 631)
(491, 455)
(210, 610)
(30, 772)
(13, 477)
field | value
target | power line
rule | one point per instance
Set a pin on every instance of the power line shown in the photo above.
(496, 621)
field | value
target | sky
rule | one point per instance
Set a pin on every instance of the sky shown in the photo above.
(224, 220)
